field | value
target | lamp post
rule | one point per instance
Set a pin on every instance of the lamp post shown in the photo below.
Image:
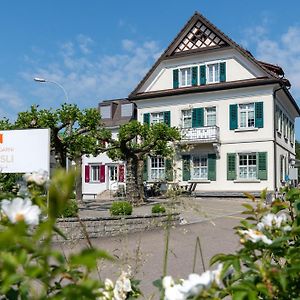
(43, 80)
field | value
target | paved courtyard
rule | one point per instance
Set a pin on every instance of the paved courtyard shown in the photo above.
(210, 219)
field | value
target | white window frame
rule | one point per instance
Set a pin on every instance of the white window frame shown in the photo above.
(249, 173)
(247, 111)
(96, 173)
(157, 117)
(188, 77)
(115, 172)
(207, 114)
(187, 116)
(158, 171)
(201, 166)
(215, 72)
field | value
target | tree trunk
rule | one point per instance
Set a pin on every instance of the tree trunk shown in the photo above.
(134, 182)
(78, 180)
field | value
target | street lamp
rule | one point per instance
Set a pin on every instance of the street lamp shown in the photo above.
(43, 80)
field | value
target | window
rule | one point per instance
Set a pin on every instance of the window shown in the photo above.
(113, 173)
(210, 116)
(213, 73)
(105, 112)
(157, 168)
(279, 121)
(95, 173)
(126, 110)
(157, 118)
(199, 167)
(292, 133)
(247, 166)
(281, 168)
(185, 77)
(247, 116)
(187, 118)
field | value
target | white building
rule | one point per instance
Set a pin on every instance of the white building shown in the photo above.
(100, 173)
(236, 113)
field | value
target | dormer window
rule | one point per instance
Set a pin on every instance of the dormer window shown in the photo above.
(126, 110)
(185, 77)
(105, 112)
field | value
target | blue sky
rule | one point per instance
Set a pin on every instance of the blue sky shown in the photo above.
(101, 49)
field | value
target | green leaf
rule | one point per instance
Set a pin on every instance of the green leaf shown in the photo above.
(249, 196)
(239, 295)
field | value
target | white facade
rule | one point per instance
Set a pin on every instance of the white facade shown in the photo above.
(230, 122)
(235, 114)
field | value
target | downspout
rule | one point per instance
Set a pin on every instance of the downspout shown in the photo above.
(275, 136)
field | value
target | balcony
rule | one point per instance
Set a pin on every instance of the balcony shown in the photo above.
(208, 134)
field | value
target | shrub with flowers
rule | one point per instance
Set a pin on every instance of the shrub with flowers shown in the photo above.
(267, 266)
(30, 268)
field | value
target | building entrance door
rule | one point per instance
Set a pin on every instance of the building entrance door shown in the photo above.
(113, 177)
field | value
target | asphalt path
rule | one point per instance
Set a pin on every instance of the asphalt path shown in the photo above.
(144, 252)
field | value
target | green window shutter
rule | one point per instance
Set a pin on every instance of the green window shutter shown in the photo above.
(202, 75)
(194, 76)
(233, 116)
(231, 166)
(211, 167)
(147, 118)
(169, 170)
(175, 79)
(198, 117)
(145, 170)
(186, 167)
(259, 114)
(262, 165)
(223, 72)
(167, 118)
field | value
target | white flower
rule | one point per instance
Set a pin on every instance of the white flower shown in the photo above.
(271, 220)
(174, 293)
(217, 275)
(287, 228)
(256, 236)
(39, 178)
(108, 284)
(122, 287)
(21, 210)
(191, 286)
(167, 282)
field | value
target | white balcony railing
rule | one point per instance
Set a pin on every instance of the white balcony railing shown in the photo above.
(200, 135)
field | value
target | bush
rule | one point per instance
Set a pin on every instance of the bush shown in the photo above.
(121, 208)
(71, 209)
(158, 209)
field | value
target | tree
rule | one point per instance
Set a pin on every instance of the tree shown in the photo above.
(74, 133)
(134, 144)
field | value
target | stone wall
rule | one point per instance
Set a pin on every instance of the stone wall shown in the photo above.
(111, 226)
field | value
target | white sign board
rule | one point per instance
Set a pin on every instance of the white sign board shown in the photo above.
(293, 173)
(25, 150)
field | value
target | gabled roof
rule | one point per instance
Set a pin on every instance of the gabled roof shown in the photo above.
(200, 35)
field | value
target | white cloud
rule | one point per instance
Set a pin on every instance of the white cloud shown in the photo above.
(10, 101)
(88, 77)
(284, 51)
